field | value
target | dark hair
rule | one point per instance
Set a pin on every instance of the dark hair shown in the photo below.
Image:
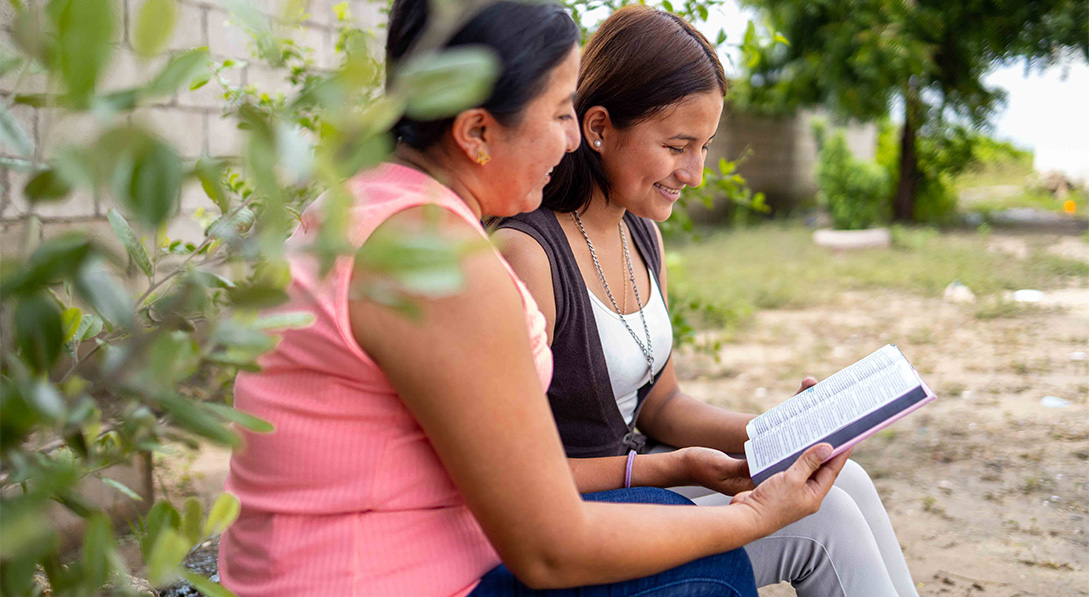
(529, 39)
(639, 62)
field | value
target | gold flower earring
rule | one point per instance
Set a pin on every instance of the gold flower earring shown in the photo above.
(482, 157)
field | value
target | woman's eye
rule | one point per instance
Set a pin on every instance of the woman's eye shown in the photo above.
(565, 117)
(675, 149)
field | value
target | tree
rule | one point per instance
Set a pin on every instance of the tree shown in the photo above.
(862, 58)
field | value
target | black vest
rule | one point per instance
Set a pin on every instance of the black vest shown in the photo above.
(581, 394)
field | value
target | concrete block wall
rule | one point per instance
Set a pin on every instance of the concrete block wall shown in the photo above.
(782, 154)
(191, 120)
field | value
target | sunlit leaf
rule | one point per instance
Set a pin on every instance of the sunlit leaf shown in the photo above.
(223, 512)
(154, 26)
(191, 520)
(210, 173)
(167, 553)
(71, 319)
(194, 417)
(136, 250)
(440, 85)
(90, 325)
(210, 279)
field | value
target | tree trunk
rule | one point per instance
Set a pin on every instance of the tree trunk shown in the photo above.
(904, 206)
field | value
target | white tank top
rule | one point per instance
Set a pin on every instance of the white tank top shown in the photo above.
(626, 363)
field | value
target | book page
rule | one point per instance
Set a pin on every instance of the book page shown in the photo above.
(873, 364)
(847, 404)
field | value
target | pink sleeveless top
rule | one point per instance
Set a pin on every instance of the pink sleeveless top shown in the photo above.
(347, 495)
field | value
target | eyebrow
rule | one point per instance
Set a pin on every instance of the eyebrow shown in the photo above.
(573, 99)
(683, 137)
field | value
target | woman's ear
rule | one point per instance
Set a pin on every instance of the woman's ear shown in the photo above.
(472, 130)
(596, 126)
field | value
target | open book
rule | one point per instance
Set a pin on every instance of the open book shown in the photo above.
(842, 410)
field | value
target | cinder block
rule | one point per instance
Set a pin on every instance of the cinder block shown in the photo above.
(224, 137)
(226, 38)
(182, 128)
(13, 238)
(185, 227)
(27, 119)
(321, 12)
(127, 70)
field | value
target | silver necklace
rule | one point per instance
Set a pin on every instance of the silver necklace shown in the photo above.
(648, 348)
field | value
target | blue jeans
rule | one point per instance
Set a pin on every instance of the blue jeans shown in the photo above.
(727, 574)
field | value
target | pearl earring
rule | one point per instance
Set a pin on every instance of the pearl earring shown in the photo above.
(597, 142)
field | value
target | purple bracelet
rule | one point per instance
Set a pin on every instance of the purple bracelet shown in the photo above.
(627, 472)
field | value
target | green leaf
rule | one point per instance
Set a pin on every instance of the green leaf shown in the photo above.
(781, 39)
(210, 279)
(210, 173)
(191, 520)
(245, 420)
(162, 516)
(12, 133)
(43, 396)
(51, 261)
(222, 514)
(47, 185)
(154, 188)
(198, 419)
(258, 296)
(154, 25)
(168, 552)
(123, 489)
(71, 319)
(104, 293)
(181, 70)
(750, 34)
(39, 332)
(84, 42)
(99, 550)
(286, 320)
(136, 250)
(90, 325)
(437, 86)
(206, 586)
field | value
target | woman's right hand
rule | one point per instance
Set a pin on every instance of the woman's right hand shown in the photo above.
(795, 493)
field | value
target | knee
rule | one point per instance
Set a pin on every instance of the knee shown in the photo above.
(854, 479)
(727, 573)
(839, 514)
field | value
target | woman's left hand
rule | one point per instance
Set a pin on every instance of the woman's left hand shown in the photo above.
(715, 470)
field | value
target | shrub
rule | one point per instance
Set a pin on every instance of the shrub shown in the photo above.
(855, 193)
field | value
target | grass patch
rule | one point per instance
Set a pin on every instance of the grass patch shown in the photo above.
(777, 266)
(1034, 199)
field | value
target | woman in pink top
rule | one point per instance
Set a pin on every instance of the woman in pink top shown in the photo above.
(419, 456)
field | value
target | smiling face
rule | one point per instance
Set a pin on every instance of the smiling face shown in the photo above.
(651, 162)
(523, 155)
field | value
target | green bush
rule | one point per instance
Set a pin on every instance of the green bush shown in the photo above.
(855, 193)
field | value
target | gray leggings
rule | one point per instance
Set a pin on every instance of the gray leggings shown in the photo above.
(846, 549)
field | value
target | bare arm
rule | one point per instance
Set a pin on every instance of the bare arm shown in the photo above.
(465, 374)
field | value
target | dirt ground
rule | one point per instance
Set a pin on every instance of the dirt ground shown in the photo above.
(987, 487)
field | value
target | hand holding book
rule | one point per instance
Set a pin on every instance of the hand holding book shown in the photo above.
(841, 410)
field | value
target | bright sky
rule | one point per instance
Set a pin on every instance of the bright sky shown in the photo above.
(1045, 111)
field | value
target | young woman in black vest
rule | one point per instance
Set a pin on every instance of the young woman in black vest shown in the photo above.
(650, 96)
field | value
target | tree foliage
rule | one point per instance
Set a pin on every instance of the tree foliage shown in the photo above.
(862, 58)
